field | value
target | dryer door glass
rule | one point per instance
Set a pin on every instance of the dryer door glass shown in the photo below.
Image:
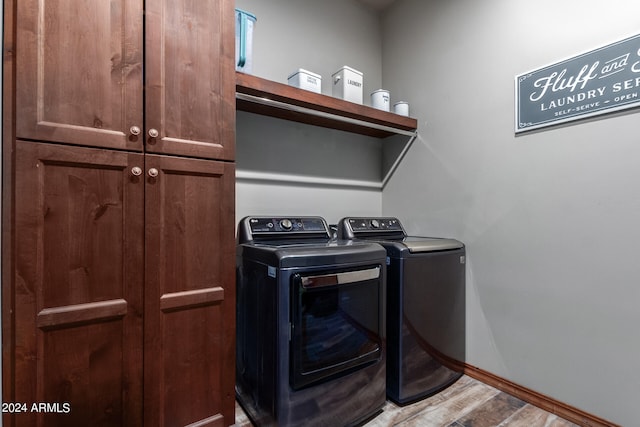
(336, 323)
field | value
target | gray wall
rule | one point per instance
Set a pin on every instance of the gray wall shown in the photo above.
(319, 36)
(286, 168)
(297, 169)
(550, 218)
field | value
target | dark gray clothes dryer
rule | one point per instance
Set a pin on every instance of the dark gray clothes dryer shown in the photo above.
(310, 324)
(425, 306)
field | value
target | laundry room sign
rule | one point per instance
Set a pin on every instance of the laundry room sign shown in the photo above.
(597, 82)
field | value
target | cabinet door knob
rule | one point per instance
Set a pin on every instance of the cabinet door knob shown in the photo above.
(135, 130)
(136, 171)
(153, 133)
(153, 172)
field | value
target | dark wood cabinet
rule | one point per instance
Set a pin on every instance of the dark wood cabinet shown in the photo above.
(79, 72)
(80, 75)
(189, 301)
(78, 284)
(119, 234)
(190, 74)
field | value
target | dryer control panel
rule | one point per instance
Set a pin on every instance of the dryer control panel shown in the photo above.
(270, 228)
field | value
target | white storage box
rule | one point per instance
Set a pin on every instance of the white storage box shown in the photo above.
(347, 84)
(306, 80)
(245, 22)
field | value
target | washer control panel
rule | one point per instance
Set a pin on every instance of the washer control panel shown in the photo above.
(372, 224)
(364, 227)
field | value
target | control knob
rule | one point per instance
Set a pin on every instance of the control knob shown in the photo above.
(286, 224)
(375, 223)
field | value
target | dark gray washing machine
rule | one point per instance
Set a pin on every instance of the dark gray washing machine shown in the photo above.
(310, 324)
(425, 307)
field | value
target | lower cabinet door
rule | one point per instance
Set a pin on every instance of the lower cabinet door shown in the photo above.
(78, 286)
(189, 330)
(124, 281)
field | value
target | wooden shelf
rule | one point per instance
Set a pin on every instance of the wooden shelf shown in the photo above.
(260, 96)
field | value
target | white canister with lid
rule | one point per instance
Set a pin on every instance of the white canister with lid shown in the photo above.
(401, 108)
(380, 99)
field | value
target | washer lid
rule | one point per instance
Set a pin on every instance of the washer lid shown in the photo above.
(428, 244)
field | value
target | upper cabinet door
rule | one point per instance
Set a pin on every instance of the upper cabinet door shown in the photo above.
(190, 78)
(79, 72)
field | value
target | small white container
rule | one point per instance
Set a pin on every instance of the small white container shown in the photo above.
(306, 80)
(401, 108)
(245, 22)
(380, 99)
(347, 84)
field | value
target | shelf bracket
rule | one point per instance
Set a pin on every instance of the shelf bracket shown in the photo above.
(396, 163)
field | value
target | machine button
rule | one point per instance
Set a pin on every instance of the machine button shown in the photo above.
(286, 224)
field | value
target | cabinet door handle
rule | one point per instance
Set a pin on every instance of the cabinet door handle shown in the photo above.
(135, 130)
(136, 171)
(153, 133)
(153, 172)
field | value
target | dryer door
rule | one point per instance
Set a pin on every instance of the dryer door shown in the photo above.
(336, 323)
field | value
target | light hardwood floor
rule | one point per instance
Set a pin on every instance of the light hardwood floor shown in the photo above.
(466, 403)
